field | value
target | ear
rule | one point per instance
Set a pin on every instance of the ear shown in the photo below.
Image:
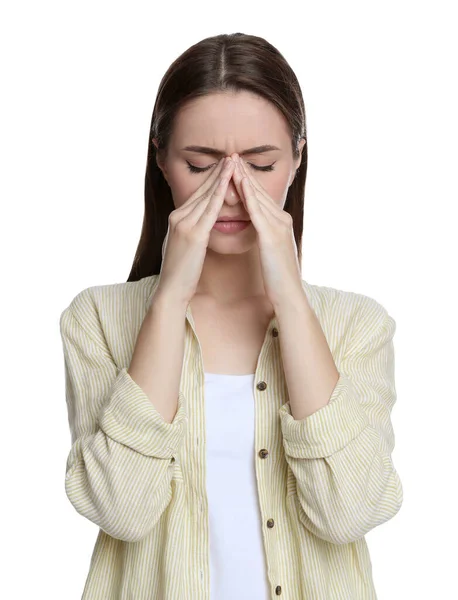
(297, 162)
(160, 159)
(300, 148)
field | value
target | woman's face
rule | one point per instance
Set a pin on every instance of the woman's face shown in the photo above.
(229, 122)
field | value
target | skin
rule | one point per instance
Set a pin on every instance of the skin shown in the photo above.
(231, 122)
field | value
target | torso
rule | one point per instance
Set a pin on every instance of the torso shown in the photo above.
(231, 338)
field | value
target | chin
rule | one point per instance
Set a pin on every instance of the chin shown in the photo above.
(229, 247)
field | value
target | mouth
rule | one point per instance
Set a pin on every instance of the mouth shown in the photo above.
(231, 226)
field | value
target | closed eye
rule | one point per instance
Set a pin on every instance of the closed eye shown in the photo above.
(194, 169)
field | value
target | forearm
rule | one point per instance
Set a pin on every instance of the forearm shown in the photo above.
(120, 442)
(340, 456)
(157, 359)
(309, 367)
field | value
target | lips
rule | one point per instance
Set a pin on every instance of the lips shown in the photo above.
(231, 226)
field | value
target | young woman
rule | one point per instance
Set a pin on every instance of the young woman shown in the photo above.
(230, 422)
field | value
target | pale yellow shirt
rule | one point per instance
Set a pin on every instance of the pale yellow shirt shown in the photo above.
(325, 480)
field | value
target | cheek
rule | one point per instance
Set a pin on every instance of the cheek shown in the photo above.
(277, 186)
(183, 184)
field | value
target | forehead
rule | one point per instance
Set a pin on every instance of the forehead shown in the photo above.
(230, 119)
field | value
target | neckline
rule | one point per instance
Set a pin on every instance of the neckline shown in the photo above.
(214, 375)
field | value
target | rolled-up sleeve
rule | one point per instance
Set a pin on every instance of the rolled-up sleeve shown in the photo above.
(341, 454)
(119, 467)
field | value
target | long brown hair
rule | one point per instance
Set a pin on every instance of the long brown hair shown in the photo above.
(226, 62)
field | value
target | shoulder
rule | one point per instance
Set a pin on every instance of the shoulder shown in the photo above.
(344, 302)
(104, 307)
(348, 313)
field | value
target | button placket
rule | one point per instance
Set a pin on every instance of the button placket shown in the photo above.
(263, 453)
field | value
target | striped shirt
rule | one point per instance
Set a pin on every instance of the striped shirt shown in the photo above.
(323, 482)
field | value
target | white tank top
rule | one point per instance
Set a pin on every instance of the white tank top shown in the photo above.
(237, 559)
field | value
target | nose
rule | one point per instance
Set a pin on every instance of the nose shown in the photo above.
(232, 196)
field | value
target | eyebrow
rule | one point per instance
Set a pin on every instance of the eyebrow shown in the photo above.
(220, 153)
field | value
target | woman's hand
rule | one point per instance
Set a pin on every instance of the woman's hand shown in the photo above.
(275, 236)
(188, 234)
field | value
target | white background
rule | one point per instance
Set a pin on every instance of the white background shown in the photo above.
(379, 81)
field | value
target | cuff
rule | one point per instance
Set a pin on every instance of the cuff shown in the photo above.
(130, 418)
(327, 430)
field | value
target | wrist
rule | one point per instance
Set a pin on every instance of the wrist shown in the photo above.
(167, 300)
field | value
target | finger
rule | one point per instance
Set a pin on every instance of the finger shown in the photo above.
(186, 208)
(238, 177)
(245, 172)
(219, 189)
(261, 195)
(206, 185)
(258, 212)
(208, 210)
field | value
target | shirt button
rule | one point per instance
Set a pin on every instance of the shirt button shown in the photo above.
(270, 523)
(278, 590)
(262, 385)
(263, 453)
(275, 332)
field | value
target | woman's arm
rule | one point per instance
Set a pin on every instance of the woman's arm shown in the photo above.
(157, 360)
(119, 469)
(340, 454)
